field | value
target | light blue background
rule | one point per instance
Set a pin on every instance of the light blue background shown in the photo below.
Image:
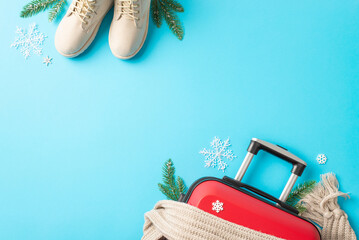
(82, 142)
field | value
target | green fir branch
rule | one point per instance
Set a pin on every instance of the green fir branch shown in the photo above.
(168, 172)
(182, 188)
(170, 187)
(36, 6)
(56, 10)
(300, 207)
(175, 6)
(167, 9)
(298, 193)
(166, 191)
(156, 13)
(172, 21)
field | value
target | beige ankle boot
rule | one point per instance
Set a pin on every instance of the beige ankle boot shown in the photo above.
(79, 27)
(129, 27)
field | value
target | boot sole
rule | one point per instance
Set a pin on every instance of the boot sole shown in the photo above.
(88, 42)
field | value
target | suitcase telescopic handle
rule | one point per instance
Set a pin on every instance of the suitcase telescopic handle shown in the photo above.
(298, 164)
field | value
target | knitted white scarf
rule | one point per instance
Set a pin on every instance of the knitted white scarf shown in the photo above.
(179, 221)
(323, 208)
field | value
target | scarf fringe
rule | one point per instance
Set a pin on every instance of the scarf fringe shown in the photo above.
(322, 208)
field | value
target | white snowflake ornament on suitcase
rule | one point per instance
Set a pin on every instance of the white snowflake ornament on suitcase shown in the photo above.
(322, 159)
(217, 206)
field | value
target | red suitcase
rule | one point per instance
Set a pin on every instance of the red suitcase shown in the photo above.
(242, 204)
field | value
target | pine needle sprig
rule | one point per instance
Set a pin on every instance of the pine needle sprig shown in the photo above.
(172, 21)
(36, 6)
(167, 9)
(56, 10)
(182, 188)
(156, 13)
(168, 172)
(298, 193)
(175, 6)
(170, 187)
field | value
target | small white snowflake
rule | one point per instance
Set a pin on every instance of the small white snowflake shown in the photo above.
(322, 159)
(47, 61)
(29, 41)
(217, 206)
(216, 156)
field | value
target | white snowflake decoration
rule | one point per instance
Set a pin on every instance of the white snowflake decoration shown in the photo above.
(322, 159)
(218, 153)
(47, 61)
(29, 41)
(217, 206)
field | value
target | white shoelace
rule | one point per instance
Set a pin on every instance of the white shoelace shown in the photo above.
(83, 9)
(127, 9)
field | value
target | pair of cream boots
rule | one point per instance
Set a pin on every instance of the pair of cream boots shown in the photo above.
(79, 27)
